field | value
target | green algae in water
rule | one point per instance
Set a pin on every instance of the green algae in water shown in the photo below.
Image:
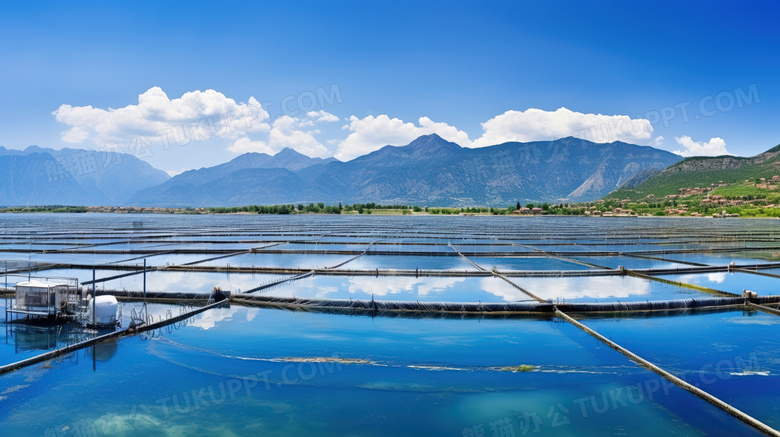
(327, 360)
(520, 368)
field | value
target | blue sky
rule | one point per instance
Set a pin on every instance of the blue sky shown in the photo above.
(355, 76)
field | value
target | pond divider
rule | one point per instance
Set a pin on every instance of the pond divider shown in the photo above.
(212, 258)
(768, 310)
(518, 308)
(583, 263)
(652, 306)
(240, 252)
(476, 266)
(510, 282)
(755, 423)
(682, 284)
(157, 296)
(566, 259)
(535, 252)
(658, 258)
(754, 272)
(280, 281)
(533, 296)
(121, 275)
(375, 307)
(353, 258)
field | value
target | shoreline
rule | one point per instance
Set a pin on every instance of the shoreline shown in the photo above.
(170, 211)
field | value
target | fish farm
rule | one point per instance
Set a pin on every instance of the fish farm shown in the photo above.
(136, 324)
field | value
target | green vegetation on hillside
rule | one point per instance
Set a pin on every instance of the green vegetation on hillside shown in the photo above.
(704, 172)
(747, 191)
(750, 198)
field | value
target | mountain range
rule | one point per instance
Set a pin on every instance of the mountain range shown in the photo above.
(242, 181)
(42, 176)
(701, 171)
(428, 171)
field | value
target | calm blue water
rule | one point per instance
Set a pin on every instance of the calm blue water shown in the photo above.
(715, 258)
(440, 248)
(401, 288)
(528, 263)
(630, 262)
(487, 248)
(234, 247)
(409, 262)
(73, 258)
(247, 371)
(165, 259)
(733, 282)
(190, 282)
(312, 247)
(83, 275)
(250, 371)
(119, 247)
(734, 355)
(605, 289)
(289, 260)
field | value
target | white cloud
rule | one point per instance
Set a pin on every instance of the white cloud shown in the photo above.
(287, 132)
(714, 147)
(75, 135)
(372, 133)
(449, 133)
(196, 115)
(245, 127)
(658, 142)
(538, 125)
(322, 116)
(245, 145)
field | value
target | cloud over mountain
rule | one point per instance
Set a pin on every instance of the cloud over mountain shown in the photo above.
(370, 133)
(201, 114)
(538, 125)
(713, 147)
(195, 116)
(246, 127)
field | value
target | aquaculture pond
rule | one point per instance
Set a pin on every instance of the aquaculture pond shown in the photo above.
(409, 262)
(277, 260)
(385, 326)
(509, 263)
(187, 281)
(721, 352)
(605, 289)
(403, 288)
(239, 371)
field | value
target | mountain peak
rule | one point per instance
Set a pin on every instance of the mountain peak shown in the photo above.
(288, 152)
(432, 141)
(431, 146)
(422, 148)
